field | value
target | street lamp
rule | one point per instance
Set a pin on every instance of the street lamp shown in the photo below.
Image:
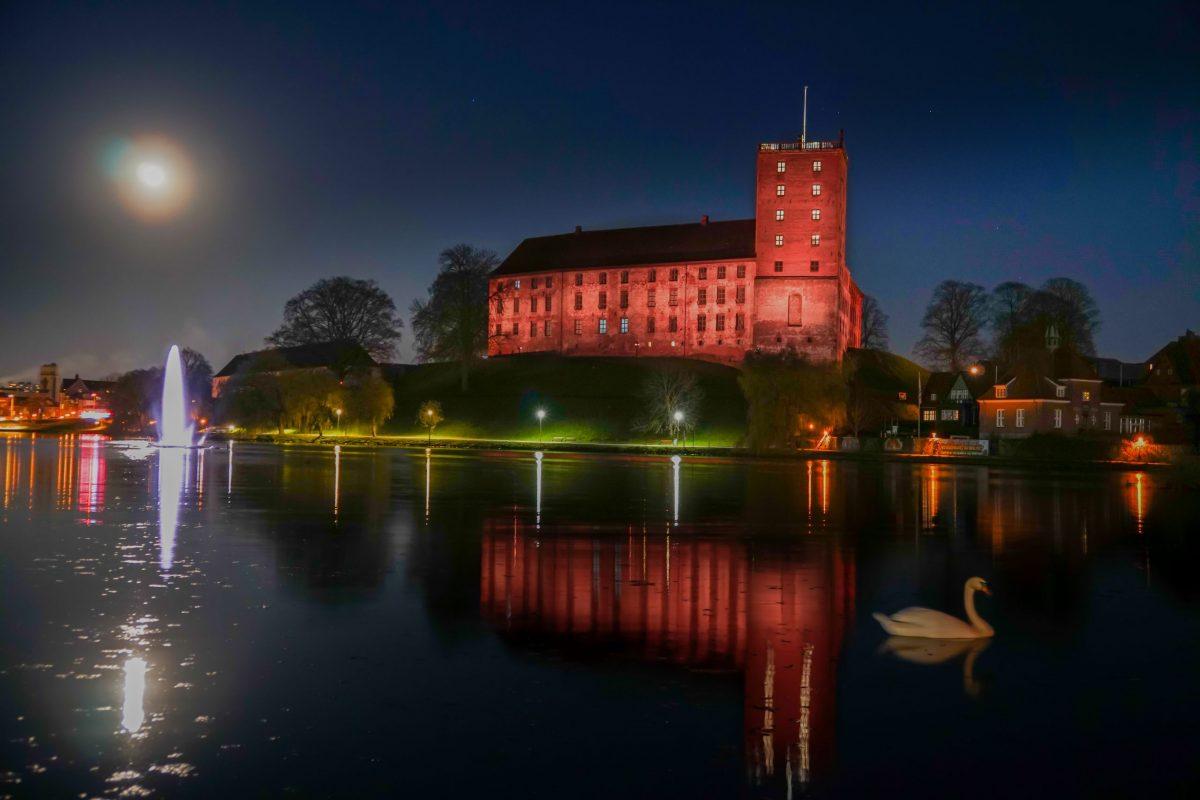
(678, 417)
(338, 411)
(541, 417)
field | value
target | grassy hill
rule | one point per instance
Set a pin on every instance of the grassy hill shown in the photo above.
(586, 399)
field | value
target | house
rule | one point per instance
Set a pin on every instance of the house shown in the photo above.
(336, 357)
(1063, 394)
(710, 289)
(950, 401)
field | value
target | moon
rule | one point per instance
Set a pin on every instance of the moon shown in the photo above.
(152, 174)
(153, 177)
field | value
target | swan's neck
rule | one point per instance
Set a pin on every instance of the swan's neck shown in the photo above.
(972, 615)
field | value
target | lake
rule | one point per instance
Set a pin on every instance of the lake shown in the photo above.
(289, 621)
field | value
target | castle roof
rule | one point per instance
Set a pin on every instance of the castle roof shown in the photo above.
(335, 355)
(619, 247)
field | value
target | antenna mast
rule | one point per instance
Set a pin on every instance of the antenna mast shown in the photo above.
(804, 123)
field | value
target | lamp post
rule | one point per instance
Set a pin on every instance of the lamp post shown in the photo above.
(429, 426)
(541, 417)
(678, 417)
(338, 411)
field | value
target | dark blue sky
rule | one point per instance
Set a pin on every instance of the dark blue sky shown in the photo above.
(1016, 142)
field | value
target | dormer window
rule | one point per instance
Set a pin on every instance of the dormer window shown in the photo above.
(1001, 391)
(1060, 391)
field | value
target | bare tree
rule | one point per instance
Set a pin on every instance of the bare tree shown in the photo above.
(1073, 311)
(341, 309)
(452, 324)
(874, 325)
(953, 321)
(671, 399)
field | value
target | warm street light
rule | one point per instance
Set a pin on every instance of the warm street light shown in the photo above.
(541, 417)
(338, 411)
(678, 417)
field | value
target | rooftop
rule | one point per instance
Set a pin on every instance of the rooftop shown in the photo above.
(336, 355)
(619, 247)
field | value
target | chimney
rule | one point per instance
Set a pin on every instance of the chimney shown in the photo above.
(704, 219)
(579, 229)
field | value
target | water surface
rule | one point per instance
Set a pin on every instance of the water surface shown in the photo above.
(299, 622)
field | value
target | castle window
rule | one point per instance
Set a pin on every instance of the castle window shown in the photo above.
(674, 273)
(533, 304)
(603, 327)
(603, 300)
(674, 298)
(497, 328)
(781, 166)
(816, 166)
(779, 215)
(816, 189)
(548, 303)
(579, 279)
(579, 301)
(649, 324)
(517, 283)
(739, 322)
(741, 270)
(516, 328)
(499, 305)
(816, 213)
(701, 322)
(795, 310)
(516, 305)
(650, 299)
(549, 282)
(546, 327)
(533, 329)
(720, 322)
(741, 294)
(701, 297)
(720, 295)
(721, 273)
(673, 324)
(780, 190)
(814, 266)
(703, 274)
(624, 324)
(779, 266)
(779, 240)
(815, 239)
(624, 298)
(624, 276)
(578, 327)
(603, 278)
(651, 275)
(533, 283)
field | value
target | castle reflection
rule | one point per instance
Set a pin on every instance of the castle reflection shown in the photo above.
(776, 615)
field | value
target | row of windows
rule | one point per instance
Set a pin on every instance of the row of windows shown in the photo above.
(533, 283)
(781, 190)
(651, 275)
(780, 215)
(672, 297)
(814, 240)
(533, 304)
(813, 266)
(719, 321)
(781, 166)
(948, 415)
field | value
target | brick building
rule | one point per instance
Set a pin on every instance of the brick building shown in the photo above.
(709, 289)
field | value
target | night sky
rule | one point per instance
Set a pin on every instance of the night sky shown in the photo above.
(986, 145)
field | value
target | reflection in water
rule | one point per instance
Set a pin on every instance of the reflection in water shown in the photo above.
(337, 476)
(132, 712)
(675, 469)
(229, 475)
(699, 603)
(172, 466)
(537, 457)
(91, 477)
(939, 651)
(428, 457)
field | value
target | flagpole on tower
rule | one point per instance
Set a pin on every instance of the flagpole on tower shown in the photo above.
(804, 122)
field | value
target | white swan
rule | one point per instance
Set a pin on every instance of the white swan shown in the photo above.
(929, 624)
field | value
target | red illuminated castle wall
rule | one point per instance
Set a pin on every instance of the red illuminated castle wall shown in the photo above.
(711, 290)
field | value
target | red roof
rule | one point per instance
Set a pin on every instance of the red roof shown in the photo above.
(619, 247)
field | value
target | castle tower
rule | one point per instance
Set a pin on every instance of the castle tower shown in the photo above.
(805, 297)
(48, 380)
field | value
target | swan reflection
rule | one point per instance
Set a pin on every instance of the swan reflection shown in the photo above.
(132, 712)
(172, 467)
(929, 652)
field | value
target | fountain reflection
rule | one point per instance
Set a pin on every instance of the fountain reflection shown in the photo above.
(229, 475)
(778, 618)
(133, 713)
(172, 467)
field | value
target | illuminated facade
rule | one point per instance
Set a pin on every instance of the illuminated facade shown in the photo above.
(712, 289)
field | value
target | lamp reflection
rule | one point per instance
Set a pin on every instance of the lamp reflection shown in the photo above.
(172, 467)
(428, 456)
(91, 477)
(337, 476)
(675, 470)
(537, 457)
(229, 475)
(778, 619)
(132, 712)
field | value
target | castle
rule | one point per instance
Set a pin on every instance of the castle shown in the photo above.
(711, 289)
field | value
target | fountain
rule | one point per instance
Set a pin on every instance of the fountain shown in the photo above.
(173, 430)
